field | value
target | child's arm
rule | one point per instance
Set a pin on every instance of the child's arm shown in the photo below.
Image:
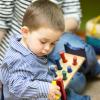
(2, 33)
(6, 13)
(22, 87)
(22, 82)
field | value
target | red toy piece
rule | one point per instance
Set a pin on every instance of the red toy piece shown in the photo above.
(59, 82)
(74, 60)
(63, 57)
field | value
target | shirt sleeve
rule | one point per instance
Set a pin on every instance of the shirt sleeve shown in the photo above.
(71, 8)
(6, 12)
(21, 85)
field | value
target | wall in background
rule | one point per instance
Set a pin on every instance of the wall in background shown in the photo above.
(90, 9)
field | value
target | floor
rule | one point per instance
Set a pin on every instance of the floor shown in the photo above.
(93, 89)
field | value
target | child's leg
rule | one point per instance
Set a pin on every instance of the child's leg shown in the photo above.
(93, 65)
(95, 70)
(78, 83)
(71, 95)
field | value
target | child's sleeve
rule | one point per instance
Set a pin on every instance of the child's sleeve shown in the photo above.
(24, 88)
(92, 64)
(71, 8)
(6, 13)
(22, 83)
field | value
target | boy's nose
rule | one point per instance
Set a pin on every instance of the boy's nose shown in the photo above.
(47, 48)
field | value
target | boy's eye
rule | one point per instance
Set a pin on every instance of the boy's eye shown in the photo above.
(43, 42)
(53, 43)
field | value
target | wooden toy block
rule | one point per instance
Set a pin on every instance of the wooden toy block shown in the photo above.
(71, 66)
(63, 57)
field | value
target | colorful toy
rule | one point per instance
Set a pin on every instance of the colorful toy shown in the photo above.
(70, 67)
(67, 66)
(59, 82)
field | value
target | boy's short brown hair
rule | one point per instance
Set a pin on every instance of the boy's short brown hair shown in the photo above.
(44, 13)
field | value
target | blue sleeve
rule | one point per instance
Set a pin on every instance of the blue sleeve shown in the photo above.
(90, 57)
(19, 82)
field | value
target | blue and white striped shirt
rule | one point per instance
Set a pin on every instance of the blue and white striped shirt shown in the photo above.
(25, 74)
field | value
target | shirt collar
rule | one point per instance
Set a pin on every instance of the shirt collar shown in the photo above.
(15, 44)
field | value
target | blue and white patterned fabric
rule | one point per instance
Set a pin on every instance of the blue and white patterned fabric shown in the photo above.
(26, 75)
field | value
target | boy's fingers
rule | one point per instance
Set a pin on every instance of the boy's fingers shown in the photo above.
(58, 93)
(55, 95)
(58, 88)
(52, 96)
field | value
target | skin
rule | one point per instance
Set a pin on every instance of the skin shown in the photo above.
(41, 42)
(2, 33)
(71, 24)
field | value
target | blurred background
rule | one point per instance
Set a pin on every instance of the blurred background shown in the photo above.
(90, 9)
(90, 28)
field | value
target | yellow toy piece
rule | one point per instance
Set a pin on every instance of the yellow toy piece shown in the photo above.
(57, 96)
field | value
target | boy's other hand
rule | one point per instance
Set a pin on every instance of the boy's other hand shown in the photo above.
(2, 33)
(54, 92)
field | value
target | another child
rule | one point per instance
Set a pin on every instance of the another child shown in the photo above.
(92, 68)
(25, 69)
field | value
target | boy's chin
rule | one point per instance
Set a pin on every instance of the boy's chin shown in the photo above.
(41, 55)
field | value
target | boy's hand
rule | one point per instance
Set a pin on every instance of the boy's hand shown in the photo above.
(2, 33)
(54, 92)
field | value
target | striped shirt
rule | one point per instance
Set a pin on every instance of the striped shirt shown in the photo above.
(26, 75)
(11, 15)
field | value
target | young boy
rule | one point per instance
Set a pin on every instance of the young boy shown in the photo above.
(12, 12)
(25, 69)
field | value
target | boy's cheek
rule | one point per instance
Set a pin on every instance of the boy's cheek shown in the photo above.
(51, 49)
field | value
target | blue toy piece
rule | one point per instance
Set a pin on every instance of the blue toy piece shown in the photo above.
(52, 69)
(58, 64)
(69, 69)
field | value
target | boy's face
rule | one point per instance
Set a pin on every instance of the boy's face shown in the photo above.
(42, 41)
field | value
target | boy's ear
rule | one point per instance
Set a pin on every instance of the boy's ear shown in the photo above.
(24, 30)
